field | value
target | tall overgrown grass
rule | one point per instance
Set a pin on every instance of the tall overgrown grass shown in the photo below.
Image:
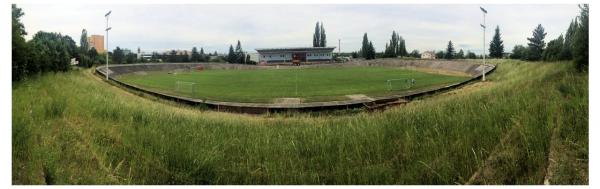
(73, 128)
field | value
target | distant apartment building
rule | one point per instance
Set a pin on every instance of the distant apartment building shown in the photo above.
(97, 41)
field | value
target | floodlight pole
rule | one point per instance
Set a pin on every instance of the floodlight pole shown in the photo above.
(339, 46)
(483, 49)
(107, 28)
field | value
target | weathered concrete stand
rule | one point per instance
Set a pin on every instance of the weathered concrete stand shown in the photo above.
(471, 69)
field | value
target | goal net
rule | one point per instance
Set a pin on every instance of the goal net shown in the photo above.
(184, 87)
(400, 84)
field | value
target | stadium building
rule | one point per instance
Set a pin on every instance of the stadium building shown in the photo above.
(302, 54)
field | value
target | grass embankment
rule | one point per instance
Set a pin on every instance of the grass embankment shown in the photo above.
(310, 84)
(72, 128)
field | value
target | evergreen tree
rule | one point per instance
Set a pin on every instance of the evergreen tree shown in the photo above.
(371, 51)
(567, 50)
(231, 56)
(323, 37)
(203, 57)
(317, 36)
(496, 46)
(536, 44)
(449, 51)
(239, 53)
(364, 50)
(391, 50)
(195, 55)
(581, 41)
(402, 47)
(460, 54)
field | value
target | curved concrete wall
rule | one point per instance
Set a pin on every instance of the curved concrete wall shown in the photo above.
(463, 67)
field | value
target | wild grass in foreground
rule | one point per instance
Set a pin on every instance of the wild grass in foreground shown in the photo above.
(73, 128)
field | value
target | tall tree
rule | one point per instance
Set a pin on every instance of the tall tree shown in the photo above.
(364, 50)
(317, 36)
(536, 43)
(195, 55)
(203, 57)
(239, 53)
(401, 47)
(83, 42)
(496, 46)
(323, 37)
(567, 50)
(460, 54)
(581, 41)
(19, 47)
(83, 58)
(231, 56)
(371, 51)
(391, 50)
(449, 51)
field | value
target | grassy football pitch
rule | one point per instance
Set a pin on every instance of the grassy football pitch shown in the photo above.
(310, 84)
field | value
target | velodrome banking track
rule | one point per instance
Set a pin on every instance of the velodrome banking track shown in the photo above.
(467, 68)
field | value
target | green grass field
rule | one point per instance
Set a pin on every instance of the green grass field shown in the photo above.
(310, 84)
(74, 128)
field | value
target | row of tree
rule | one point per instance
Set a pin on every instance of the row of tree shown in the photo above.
(45, 52)
(238, 55)
(574, 45)
(451, 53)
(396, 47)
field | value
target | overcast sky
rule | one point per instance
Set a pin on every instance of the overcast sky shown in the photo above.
(215, 27)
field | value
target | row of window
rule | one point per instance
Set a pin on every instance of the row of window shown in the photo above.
(283, 55)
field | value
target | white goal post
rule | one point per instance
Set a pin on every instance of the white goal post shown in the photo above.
(400, 84)
(185, 87)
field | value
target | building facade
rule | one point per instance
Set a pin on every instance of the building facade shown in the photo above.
(428, 55)
(97, 41)
(302, 54)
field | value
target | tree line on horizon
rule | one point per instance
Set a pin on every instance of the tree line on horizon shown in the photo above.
(52, 52)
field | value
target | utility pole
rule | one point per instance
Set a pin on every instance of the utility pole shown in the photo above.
(107, 28)
(483, 49)
(339, 46)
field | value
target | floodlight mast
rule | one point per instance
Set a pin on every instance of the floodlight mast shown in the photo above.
(107, 28)
(483, 49)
